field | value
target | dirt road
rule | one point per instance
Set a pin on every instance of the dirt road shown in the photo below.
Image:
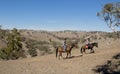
(49, 64)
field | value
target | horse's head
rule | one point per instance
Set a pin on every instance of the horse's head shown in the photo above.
(72, 45)
(95, 44)
(75, 45)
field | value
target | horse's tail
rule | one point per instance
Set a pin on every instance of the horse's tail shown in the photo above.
(56, 52)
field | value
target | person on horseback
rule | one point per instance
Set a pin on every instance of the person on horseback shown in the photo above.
(87, 42)
(64, 45)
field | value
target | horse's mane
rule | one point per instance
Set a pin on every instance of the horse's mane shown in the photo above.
(94, 43)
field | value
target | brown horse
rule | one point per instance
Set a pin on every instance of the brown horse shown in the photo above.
(68, 50)
(90, 46)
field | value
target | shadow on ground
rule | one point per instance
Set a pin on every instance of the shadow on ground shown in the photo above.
(110, 67)
(73, 57)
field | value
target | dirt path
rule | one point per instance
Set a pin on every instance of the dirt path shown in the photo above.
(50, 65)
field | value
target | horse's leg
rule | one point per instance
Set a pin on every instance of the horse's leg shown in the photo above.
(81, 50)
(91, 50)
(84, 51)
(67, 55)
(60, 54)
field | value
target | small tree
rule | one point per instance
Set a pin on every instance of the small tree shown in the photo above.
(111, 15)
(2, 33)
(14, 45)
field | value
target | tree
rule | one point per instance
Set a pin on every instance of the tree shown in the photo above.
(2, 33)
(111, 15)
(14, 46)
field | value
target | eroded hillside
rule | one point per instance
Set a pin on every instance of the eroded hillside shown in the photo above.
(38, 42)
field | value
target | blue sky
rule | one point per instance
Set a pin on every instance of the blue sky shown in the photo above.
(52, 15)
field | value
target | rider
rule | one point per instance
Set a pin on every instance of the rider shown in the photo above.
(87, 42)
(64, 45)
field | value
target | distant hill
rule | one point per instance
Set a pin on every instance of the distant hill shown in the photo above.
(39, 42)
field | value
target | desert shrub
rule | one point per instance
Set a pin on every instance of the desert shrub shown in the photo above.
(34, 44)
(2, 33)
(94, 37)
(31, 43)
(100, 38)
(50, 40)
(82, 39)
(23, 39)
(14, 45)
(32, 52)
(55, 43)
(112, 35)
(42, 42)
(3, 55)
(7, 53)
(46, 49)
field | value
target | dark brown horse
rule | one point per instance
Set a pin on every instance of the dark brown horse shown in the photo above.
(90, 46)
(61, 50)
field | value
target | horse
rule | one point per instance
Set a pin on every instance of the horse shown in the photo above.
(69, 48)
(90, 46)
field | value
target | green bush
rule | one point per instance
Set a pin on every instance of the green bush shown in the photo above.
(44, 48)
(112, 35)
(32, 52)
(3, 55)
(13, 50)
(41, 45)
(55, 43)
(34, 44)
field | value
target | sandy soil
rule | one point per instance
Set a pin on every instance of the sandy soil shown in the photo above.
(49, 64)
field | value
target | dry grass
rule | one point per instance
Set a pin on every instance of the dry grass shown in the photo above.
(48, 64)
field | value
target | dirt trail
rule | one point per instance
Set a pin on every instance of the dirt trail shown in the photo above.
(50, 65)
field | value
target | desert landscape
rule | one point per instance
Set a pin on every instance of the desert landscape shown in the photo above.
(46, 63)
(59, 36)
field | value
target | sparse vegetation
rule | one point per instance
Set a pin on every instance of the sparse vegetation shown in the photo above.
(55, 43)
(14, 47)
(111, 35)
(32, 52)
(45, 47)
(34, 45)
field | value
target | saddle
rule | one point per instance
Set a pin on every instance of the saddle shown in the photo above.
(88, 46)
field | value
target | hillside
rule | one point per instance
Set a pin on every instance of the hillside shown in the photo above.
(38, 42)
(48, 64)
